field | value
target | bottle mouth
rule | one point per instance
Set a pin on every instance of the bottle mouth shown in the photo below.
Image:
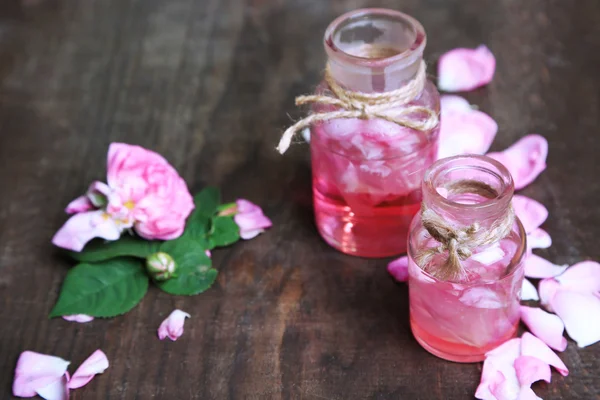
(468, 182)
(375, 37)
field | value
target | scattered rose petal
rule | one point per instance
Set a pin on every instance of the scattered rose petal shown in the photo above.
(539, 239)
(583, 277)
(534, 347)
(399, 269)
(525, 159)
(57, 390)
(538, 267)
(499, 378)
(172, 327)
(531, 212)
(250, 219)
(548, 327)
(80, 204)
(530, 369)
(528, 291)
(81, 318)
(547, 289)
(580, 313)
(93, 365)
(464, 69)
(464, 130)
(83, 227)
(37, 371)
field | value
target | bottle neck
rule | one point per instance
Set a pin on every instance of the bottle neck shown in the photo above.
(470, 189)
(374, 50)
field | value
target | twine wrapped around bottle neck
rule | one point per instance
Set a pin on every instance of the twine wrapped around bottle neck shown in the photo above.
(460, 242)
(385, 105)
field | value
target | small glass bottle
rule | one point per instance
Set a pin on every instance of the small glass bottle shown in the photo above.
(367, 172)
(460, 318)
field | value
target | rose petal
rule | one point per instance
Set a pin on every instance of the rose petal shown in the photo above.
(465, 69)
(454, 103)
(534, 347)
(531, 212)
(464, 130)
(81, 318)
(83, 227)
(583, 277)
(172, 326)
(528, 291)
(525, 159)
(80, 204)
(499, 377)
(581, 315)
(539, 239)
(538, 267)
(530, 369)
(250, 219)
(93, 365)
(36, 371)
(57, 390)
(548, 327)
(399, 269)
(547, 289)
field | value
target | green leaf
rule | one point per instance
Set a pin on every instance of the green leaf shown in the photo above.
(104, 289)
(194, 273)
(100, 250)
(224, 231)
(207, 202)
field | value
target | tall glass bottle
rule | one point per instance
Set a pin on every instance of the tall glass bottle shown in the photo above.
(367, 172)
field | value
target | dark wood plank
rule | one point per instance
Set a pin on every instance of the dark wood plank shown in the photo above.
(210, 84)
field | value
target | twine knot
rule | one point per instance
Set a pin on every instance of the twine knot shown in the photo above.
(388, 106)
(460, 242)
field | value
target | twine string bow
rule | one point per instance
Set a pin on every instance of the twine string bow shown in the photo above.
(460, 242)
(386, 105)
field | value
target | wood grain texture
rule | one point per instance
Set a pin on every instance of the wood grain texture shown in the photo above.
(210, 84)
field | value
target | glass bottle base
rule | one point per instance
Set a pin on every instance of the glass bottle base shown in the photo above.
(456, 352)
(379, 232)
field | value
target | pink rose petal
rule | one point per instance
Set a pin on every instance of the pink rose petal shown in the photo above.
(83, 227)
(530, 369)
(548, 327)
(538, 267)
(539, 239)
(250, 219)
(172, 326)
(81, 318)
(464, 130)
(57, 390)
(525, 159)
(547, 289)
(80, 204)
(36, 371)
(583, 277)
(465, 69)
(531, 212)
(580, 313)
(528, 291)
(534, 347)
(93, 365)
(399, 269)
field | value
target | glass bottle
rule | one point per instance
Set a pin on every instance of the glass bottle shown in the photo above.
(460, 319)
(367, 172)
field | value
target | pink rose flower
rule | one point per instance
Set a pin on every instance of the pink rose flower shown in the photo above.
(250, 219)
(144, 192)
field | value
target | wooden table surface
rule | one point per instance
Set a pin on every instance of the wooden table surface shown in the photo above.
(210, 84)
